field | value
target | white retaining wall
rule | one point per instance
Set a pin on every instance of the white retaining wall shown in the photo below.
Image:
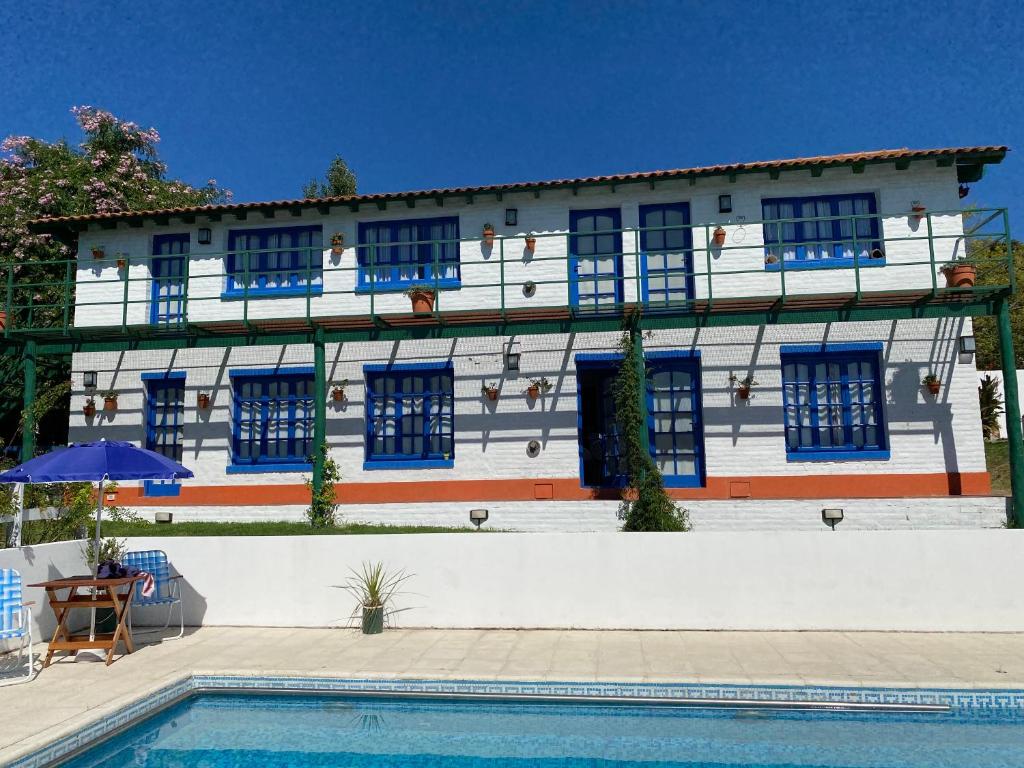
(862, 580)
(43, 562)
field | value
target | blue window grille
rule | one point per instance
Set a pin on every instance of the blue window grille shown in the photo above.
(674, 417)
(410, 416)
(394, 255)
(284, 261)
(666, 245)
(167, 298)
(165, 421)
(830, 231)
(832, 401)
(273, 419)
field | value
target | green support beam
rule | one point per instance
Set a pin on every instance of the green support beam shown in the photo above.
(28, 430)
(319, 408)
(1015, 439)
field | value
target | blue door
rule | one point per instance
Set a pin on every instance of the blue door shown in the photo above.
(167, 301)
(165, 421)
(595, 259)
(600, 450)
(674, 422)
(666, 261)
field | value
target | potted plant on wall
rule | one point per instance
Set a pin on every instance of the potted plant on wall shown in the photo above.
(89, 409)
(917, 208)
(933, 383)
(374, 588)
(531, 242)
(743, 386)
(203, 400)
(122, 261)
(338, 391)
(422, 297)
(488, 235)
(538, 387)
(98, 251)
(490, 391)
(337, 243)
(110, 400)
(959, 274)
(718, 236)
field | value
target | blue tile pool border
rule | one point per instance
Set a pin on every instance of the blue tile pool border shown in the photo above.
(996, 700)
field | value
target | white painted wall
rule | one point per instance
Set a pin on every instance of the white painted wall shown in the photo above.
(861, 580)
(43, 562)
(998, 376)
(101, 288)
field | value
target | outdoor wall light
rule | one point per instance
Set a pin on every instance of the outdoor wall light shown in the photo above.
(205, 236)
(725, 203)
(89, 379)
(511, 217)
(968, 346)
(832, 517)
(512, 355)
(163, 517)
(478, 517)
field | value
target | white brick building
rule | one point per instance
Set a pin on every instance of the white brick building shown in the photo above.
(837, 319)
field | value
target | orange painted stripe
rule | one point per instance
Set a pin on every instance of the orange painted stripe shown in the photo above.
(880, 486)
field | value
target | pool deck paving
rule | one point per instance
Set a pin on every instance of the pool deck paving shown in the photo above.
(67, 695)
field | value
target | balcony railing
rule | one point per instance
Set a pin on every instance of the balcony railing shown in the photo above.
(898, 257)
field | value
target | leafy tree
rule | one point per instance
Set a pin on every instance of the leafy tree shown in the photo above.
(340, 181)
(989, 256)
(115, 168)
(645, 504)
(322, 511)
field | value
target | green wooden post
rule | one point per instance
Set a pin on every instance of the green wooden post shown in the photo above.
(1014, 438)
(28, 431)
(319, 408)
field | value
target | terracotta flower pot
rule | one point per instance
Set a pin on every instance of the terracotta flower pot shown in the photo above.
(3, 320)
(203, 400)
(337, 394)
(533, 391)
(934, 387)
(488, 237)
(960, 275)
(122, 263)
(89, 410)
(422, 301)
(337, 246)
(492, 394)
(718, 236)
(531, 244)
(97, 253)
(109, 403)
(743, 393)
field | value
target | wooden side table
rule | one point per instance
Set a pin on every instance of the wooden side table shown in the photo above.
(104, 593)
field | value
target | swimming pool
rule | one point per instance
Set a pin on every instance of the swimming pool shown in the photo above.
(213, 728)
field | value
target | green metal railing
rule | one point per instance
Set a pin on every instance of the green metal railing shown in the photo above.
(71, 296)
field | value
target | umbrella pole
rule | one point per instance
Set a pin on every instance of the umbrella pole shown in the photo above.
(96, 556)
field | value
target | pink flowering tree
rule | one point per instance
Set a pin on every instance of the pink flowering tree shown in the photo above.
(114, 168)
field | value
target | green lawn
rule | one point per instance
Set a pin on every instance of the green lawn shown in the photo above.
(121, 530)
(997, 457)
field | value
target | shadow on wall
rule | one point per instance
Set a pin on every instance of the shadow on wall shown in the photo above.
(915, 404)
(193, 603)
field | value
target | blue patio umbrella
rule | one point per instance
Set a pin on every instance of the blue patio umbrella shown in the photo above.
(98, 461)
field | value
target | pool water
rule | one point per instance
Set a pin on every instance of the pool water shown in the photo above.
(216, 730)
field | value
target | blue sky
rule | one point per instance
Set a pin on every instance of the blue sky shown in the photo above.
(260, 95)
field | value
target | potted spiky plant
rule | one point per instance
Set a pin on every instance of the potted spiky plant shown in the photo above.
(538, 387)
(933, 383)
(110, 400)
(422, 297)
(743, 386)
(490, 391)
(374, 588)
(488, 235)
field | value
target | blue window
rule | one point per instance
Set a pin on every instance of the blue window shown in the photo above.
(410, 416)
(272, 428)
(832, 400)
(165, 421)
(674, 414)
(826, 231)
(666, 245)
(167, 297)
(284, 261)
(394, 255)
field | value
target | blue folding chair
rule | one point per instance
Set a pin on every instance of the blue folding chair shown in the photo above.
(15, 618)
(167, 590)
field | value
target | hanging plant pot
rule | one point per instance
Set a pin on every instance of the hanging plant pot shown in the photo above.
(533, 391)
(491, 393)
(743, 393)
(89, 409)
(531, 243)
(203, 401)
(934, 387)
(338, 394)
(98, 252)
(337, 243)
(3, 320)
(718, 237)
(109, 403)
(918, 209)
(122, 263)
(422, 300)
(373, 619)
(960, 275)
(488, 235)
